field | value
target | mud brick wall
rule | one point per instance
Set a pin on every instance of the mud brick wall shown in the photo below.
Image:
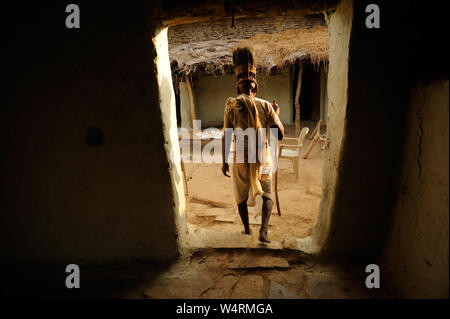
(244, 28)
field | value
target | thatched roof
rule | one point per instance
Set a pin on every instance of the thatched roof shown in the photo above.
(270, 50)
(211, 56)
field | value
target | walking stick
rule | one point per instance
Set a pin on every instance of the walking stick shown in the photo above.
(276, 192)
(276, 181)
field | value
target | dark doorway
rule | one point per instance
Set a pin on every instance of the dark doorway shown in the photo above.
(178, 107)
(310, 92)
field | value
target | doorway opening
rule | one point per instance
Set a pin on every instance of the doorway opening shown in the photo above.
(313, 95)
(202, 70)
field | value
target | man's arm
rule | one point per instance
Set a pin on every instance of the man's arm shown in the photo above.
(226, 142)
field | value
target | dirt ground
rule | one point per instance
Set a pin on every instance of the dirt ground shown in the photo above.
(254, 274)
(207, 273)
(210, 202)
(223, 272)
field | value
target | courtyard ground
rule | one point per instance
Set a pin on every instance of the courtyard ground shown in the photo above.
(210, 202)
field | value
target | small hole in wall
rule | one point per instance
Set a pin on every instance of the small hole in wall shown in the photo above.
(94, 136)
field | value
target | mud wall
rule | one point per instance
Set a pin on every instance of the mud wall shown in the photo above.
(211, 93)
(368, 120)
(244, 28)
(385, 188)
(371, 121)
(339, 26)
(278, 87)
(416, 254)
(66, 200)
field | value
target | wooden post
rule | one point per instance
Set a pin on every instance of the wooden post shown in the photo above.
(314, 141)
(191, 99)
(297, 97)
(316, 129)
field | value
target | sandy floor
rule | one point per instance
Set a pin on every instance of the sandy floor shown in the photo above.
(211, 198)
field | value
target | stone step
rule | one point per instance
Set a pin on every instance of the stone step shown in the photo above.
(246, 262)
(210, 238)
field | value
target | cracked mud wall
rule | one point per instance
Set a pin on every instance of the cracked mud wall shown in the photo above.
(371, 75)
(64, 200)
(417, 250)
(369, 117)
(339, 26)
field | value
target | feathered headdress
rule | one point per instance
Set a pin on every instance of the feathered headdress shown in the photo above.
(244, 65)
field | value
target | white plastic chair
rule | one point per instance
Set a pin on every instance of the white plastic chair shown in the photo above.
(290, 148)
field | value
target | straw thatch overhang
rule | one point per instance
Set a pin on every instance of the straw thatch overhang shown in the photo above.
(273, 52)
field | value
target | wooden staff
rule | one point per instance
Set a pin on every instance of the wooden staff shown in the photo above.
(276, 191)
(297, 97)
(276, 180)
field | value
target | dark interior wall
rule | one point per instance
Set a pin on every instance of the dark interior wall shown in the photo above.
(63, 200)
(415, 257)
(384, 64)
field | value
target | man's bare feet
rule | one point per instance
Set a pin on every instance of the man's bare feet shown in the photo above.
(249, 232)
(263, 237)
